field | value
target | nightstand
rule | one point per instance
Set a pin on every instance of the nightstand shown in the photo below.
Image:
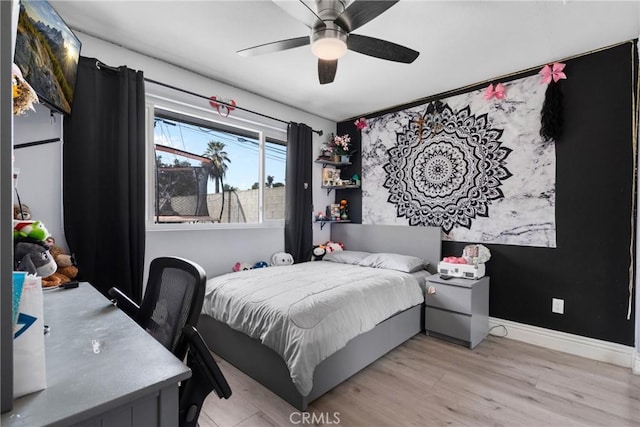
(457, 309)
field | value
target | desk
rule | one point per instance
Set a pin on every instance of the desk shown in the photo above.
(131, 381)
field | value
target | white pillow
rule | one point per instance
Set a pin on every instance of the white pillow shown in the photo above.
(406, 263)
(346, 257)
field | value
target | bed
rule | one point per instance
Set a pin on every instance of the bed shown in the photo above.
(273, 369)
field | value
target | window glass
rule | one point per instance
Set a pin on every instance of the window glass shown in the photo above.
(275, 168)
(207, 172)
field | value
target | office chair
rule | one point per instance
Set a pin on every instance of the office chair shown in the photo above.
(169, 311)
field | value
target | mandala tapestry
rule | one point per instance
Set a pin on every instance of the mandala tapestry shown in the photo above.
(477, 168)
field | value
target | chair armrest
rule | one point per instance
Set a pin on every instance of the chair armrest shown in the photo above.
(202, 363)
(125, 303)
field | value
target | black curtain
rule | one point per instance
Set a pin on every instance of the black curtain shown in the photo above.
(104, 177)
(298, 231)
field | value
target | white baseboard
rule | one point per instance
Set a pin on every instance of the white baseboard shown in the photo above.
(603, 351)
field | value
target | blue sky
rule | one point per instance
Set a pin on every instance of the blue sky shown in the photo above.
(242, 151)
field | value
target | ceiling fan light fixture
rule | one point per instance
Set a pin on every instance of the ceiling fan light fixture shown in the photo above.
(329, 48)
(329, 42)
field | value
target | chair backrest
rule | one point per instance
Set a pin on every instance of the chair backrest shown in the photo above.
(173, 299)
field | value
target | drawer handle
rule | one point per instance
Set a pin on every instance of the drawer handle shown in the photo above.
(431, 290)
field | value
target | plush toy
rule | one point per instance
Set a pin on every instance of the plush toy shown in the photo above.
(260, 264)
(21, 212)
(241, 266)
(334, 246)
(67, 269)
(31, 229)
(318, 252)
(33, 256)
(281, 258)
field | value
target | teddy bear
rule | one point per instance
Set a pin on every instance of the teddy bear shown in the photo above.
(67, 269)
(21, 212)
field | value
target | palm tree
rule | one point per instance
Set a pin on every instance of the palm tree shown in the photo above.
(217, 167)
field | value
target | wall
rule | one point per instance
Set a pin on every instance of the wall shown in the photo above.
(40, 182)
(217, 248)
(590, 267)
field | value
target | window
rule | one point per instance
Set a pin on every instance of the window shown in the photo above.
(210, 172)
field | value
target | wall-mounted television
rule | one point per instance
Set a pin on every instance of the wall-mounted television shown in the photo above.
(47, 53)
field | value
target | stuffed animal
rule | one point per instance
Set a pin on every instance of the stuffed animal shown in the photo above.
(31, 229)
(318, 252)
(260, 264)
(67, 269)
(281, 258)
(21, 212)
(33, 256)
(241, 266)
(334, 246)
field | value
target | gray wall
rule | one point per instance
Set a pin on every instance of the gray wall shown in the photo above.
(216, 250)
(40, 180)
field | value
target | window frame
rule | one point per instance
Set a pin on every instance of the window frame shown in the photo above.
(265, 133)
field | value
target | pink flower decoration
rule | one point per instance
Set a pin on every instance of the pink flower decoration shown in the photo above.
(360, 123)
(498, 92)
(552, 72)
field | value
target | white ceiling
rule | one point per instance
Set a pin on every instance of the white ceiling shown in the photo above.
(460, 43)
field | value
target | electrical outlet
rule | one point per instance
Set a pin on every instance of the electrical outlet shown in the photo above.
(557, 305)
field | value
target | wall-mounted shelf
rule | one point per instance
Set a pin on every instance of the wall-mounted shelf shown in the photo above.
(324, 222)
(331, 175)
(339, 187)
(332, 163)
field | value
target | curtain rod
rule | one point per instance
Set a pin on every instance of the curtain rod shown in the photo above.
(319, 132)
(100, 64)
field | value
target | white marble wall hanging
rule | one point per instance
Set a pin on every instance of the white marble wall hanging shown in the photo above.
(478, 168)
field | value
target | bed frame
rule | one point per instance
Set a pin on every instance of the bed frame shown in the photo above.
(268, 368)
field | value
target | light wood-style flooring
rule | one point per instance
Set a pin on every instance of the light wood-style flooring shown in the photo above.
(430, 382)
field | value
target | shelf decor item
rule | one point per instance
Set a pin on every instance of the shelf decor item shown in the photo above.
(340, 146)
(330, 176)
(344, 210)
(334, 212)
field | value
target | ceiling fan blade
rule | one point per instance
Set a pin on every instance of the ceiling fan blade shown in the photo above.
(327, 70)
(360, 12)
(274, 46)
(302, 12)
(381, 49)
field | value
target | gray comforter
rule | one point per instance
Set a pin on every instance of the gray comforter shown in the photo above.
(306, 312)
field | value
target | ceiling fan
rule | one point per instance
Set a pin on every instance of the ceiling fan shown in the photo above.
(331, 23)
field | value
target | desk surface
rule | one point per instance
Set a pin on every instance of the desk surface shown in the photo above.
(82, 382)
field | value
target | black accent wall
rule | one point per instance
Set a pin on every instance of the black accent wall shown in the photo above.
(590, 267)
